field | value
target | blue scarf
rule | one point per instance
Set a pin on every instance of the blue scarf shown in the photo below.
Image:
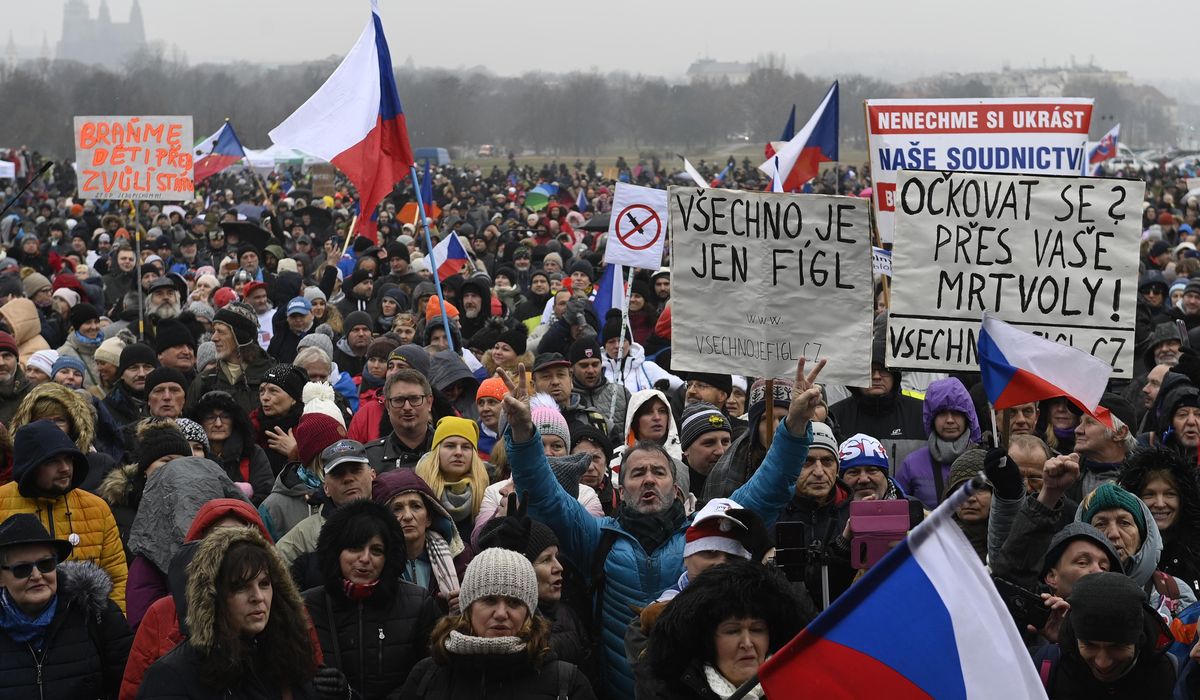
(21, 627)
(90, 342)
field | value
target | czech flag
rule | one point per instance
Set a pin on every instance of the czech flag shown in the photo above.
(610, 292)
(789, 130)
(925, 622)
(1020, 367)
(581, 202)
(355, 122)
(799, 160)
(1104, 149)
(217, 152)
(720, 177)
(449, 256)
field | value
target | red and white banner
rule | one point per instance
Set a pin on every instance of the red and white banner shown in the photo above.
(1047, 136)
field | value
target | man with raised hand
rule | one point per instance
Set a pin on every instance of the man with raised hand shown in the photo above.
(632, 556)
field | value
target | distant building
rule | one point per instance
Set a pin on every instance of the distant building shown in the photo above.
(99, 40)
(707, 69)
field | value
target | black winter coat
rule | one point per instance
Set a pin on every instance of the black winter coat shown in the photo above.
(176, 676)
(84, 651)
(893, 419)
(804, 523)
(496, 677)
(376, 644)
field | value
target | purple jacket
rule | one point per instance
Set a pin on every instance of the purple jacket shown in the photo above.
(916, 475)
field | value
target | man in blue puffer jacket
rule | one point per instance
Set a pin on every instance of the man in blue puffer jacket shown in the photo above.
(647, 530)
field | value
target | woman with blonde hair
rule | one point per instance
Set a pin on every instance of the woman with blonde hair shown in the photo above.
(498, 646)
(74, 414)
(454, 471)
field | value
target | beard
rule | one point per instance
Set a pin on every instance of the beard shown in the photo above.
(165, 310)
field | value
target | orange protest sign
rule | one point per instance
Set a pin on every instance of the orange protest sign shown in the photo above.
(134, 157)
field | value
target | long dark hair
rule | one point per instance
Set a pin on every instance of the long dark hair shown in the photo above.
(351, 526)
(282, 654)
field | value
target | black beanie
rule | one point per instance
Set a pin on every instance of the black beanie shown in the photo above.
(516, 338)
(585, 348)
(612, 327)
(157, 439)
(241, 319)
(81, 314)
(1107, 607)
(396, 249)
(170, 333)
(165, 375)
(290, 378)
(360, 275)
(137, 353)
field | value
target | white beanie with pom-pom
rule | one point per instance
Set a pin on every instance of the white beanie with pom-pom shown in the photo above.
(318, 398)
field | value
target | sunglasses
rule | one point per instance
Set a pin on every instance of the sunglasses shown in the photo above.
(24, 571)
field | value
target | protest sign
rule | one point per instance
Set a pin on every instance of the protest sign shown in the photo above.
(8, 170)
(1193, 183)
(638, 227)
(1055, 256)
(881, 262)
(760, 279)
(134, 157)
(1009, 135)
(322, 180)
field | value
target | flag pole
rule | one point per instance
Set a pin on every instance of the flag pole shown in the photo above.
(995, 426)
(437, 280)
(612, 406)
(349, 235)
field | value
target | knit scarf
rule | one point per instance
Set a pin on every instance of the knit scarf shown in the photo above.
(22, 628)
(723, 688)
(466, 644)
(441, 562)
(89, 342)
(358, 591)
(651, 530)
(370, 381)
(946, 451)
(458, 498)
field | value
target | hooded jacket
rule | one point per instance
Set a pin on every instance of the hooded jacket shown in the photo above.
(241, 457)
(173, 495)
(398, 481)
(447, 368)
(633, 577)
(290, 502)
(470, 326)
(917, 475)
(178, 674)
(22, 317)
(374, 642)
(84, 649)
(637, 373)
(79, 410)
(636, 401)
(159, 631)
(76, 512)
(12, 394)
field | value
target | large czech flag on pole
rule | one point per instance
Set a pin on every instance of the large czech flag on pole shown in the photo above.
(1019, 367)
(450, 257)
(799, 160)
(924, 622)
(355, 122)
(217, 152)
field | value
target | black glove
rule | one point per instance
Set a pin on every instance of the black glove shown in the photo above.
(331, 684)
(1004, 474)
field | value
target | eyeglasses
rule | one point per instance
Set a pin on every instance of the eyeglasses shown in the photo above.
(217, 417)
(399, 401)
(23, 571)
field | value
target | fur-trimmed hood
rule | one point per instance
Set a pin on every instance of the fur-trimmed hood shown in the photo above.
(121, 486)
(75, 405)
(84, 583)
(1142, 461)
(202, 575)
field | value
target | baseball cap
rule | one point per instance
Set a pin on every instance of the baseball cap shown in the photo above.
(299, 305)
(343, 452)
(548, 360)
(713, 529)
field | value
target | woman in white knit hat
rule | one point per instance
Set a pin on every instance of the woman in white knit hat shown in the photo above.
(498, 646)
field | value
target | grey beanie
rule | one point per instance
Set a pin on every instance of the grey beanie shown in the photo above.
(202, 310)
(823, 438)
(317, 340)
(499, 572)
(206, 354)
(314, 293)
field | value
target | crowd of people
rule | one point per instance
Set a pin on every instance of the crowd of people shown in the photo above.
(247, 453)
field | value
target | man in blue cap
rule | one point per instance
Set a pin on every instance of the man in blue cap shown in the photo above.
(286, 342)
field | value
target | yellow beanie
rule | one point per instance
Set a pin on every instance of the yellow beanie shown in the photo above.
(453, 426)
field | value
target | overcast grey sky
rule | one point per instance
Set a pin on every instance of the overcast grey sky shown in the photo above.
(888, 38)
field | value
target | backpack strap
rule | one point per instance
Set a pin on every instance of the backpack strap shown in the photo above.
(337, 648)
